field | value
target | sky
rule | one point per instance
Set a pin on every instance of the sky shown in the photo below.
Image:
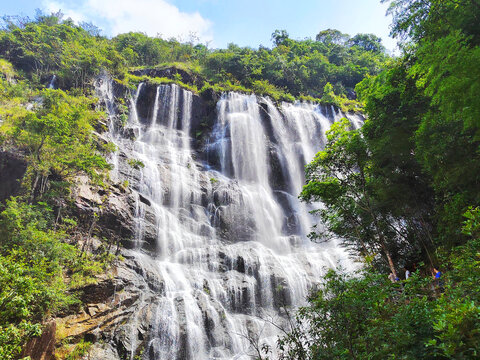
(219, 22)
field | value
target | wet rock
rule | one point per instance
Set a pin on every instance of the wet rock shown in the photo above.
(281, 292)
(144, 200)
(266, 119)
(240, 265)
(213, 321)
(145, 102)
(202, 117)
(120, 90)
(114, 209)
(130, 133)
(182, 353)
(128, 172)
(147, 237)
(277, 177)
(233, 225)
(155, 283)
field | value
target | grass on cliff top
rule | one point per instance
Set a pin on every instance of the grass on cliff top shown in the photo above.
(258, 87)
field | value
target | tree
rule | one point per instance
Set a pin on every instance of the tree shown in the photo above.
(443, 66)
(368, 42)
(332, 37)
(52, 19)
(91, 28)
(432, 19)
(339, 177)
(354, 316)
(56, 138)
(396, 107)
(328, 96)
(279, 37)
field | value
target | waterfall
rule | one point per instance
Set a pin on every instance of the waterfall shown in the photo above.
(51, 84)
(104, 90)
(221, 224)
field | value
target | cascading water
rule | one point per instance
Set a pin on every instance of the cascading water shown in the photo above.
(229, 233)
(51, 84)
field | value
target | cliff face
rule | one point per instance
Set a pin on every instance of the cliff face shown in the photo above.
(204, 212)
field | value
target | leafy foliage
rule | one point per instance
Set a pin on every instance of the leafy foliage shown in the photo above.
(340, 177)
(365, 316)
(431, 97)
(362, 317)
(299, 67)
(33, 261)
(56, 135)
(50, 45)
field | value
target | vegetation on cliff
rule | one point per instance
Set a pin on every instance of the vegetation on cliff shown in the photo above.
(41, 257)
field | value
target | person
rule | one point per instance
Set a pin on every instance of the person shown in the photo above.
(392, 277)
(438, 282)
(407, 273)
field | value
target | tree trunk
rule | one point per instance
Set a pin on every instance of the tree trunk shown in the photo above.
(34, 186)
(391, 265)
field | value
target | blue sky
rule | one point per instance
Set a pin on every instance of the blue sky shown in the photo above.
(219, 22)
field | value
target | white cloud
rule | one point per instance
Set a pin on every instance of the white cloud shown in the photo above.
(53, 6)
(150, 16)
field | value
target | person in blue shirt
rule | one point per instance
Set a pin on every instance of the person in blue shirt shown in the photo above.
(437, 280)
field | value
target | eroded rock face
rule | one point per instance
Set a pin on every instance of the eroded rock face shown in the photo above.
(116, 312)
(107, 213)
(201, 117)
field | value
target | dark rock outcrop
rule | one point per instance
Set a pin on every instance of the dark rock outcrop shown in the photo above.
(12, 169)
(202, 117)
